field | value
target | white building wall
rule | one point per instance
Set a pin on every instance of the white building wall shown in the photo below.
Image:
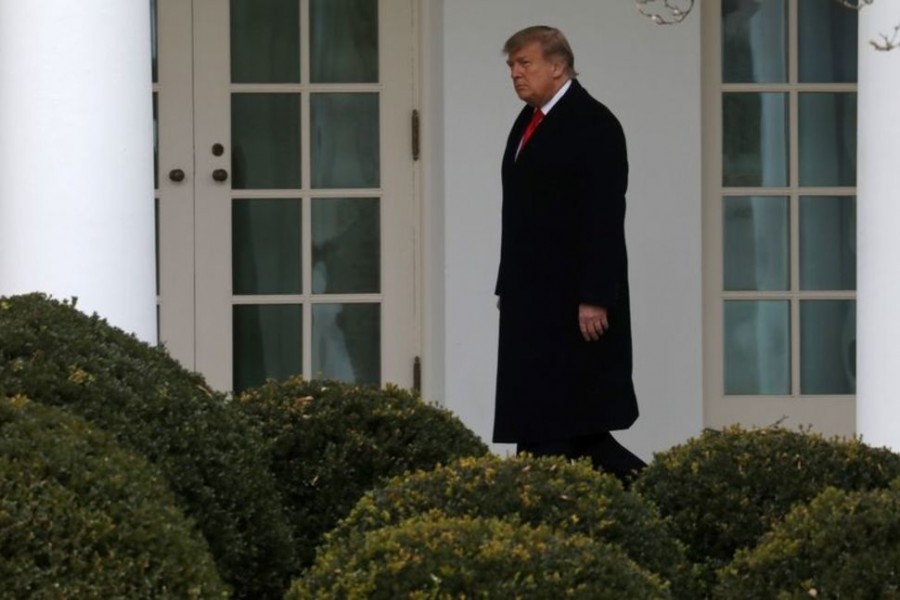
(878, 324)
(649, 75)
(76, 157)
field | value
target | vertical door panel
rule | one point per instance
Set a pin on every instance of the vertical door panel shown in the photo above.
(175, 242)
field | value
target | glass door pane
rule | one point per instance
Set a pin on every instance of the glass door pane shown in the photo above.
(346, 246)
(827, 50)
(265, 141)
(346, 342)
(755, 237)
(754, 41)
(827, 243)
(345, 144)
(266, 249)
(757, 347)
(828, 346)
(265, 41)
(827, 131)
(754, 139)
(267, 343)
(344, 40)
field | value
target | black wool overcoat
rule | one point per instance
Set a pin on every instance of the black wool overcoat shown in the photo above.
(563, 243)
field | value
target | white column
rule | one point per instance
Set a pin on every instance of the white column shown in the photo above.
(76, 156)
(878, 223)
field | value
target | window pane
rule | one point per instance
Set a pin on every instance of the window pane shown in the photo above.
(347, 342)
(828, 243)
(757, 347)
(265, 141)
(345, 140)
(344, 41)
(828, 48)
(265, 41)
(828, 139)
(754, 41)
(755, 139)
(828, 347)
(346, 249)
(266, 247)
(755, 238)
(267, 343)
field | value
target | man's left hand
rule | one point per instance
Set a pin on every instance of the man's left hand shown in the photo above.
(593, 321)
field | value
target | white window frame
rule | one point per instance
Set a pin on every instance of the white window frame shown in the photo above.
(829, 414)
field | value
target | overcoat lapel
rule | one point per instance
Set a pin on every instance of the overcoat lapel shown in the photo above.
(550, 122)
(515, 134)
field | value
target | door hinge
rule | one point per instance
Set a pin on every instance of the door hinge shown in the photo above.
(417, 375)
(415, 134)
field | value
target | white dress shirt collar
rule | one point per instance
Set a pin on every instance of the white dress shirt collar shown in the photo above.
(559, 94)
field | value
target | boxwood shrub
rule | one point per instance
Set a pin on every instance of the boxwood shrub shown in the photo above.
(82, 518)
(212, 458)
(568, 496)
(841, 545)
(433, 556)
(334, 441)
(725, 489)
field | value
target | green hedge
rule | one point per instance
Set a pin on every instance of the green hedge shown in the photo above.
(82, 518)
(725, 489)
(568, 496)
(841, 545)
(212, 457)
(437, 557)
(332, 442)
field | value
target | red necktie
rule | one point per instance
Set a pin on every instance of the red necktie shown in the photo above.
(536, 118)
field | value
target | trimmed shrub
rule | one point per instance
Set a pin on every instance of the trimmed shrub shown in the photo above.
(841, 545)
(437, 557)
(212, 458)
(568, 496)
(725, 489)
(82, 518)
(333, 441)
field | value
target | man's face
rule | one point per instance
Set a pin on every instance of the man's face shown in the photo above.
(535, 78)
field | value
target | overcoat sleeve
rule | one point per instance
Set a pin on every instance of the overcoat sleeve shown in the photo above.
(602, 179)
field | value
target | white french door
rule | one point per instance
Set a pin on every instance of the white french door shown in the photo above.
(286, 189)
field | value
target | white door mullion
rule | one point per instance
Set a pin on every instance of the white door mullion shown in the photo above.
(213, 199)
(175, 99)
(306, 243)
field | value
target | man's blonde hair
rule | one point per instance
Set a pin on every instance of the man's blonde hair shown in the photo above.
(554, 45)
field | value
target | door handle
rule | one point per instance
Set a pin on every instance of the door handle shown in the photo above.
(176, 175)
(220, 175)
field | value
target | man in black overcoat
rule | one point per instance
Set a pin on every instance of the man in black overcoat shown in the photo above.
(564, 364)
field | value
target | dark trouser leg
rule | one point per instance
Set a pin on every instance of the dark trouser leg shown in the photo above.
(609, 455)
(554, 448)
(605, 452)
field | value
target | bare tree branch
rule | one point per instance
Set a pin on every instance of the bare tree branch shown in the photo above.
(670, 12)
(674, 11)
(857, 4)
(886, 43)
